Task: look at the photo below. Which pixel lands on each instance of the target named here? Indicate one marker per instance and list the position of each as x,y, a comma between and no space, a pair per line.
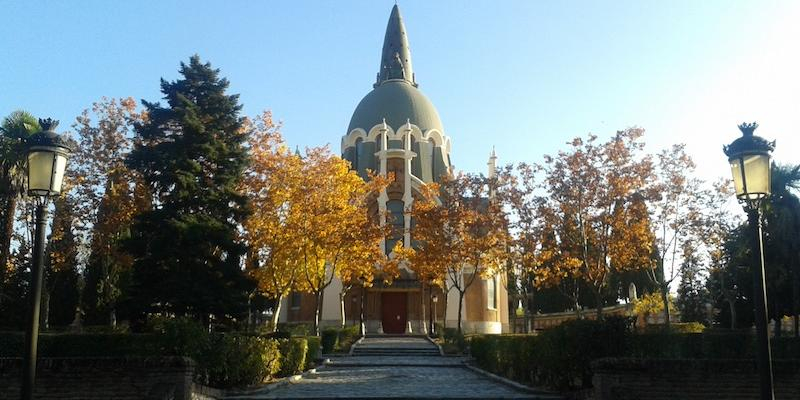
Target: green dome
397,101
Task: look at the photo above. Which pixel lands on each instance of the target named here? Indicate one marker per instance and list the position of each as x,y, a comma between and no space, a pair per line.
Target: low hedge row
339,339
560,357
222,360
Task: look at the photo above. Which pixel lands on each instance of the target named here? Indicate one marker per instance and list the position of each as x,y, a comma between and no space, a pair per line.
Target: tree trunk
342,314
796,297
317,311
423,320
6,231
599,298
460,305
45,319
732,307
276,314
665,299
361,328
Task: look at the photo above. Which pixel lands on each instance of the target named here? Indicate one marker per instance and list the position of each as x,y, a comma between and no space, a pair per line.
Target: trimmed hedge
314,346
339,339
223,360
293,355
330,338
561,357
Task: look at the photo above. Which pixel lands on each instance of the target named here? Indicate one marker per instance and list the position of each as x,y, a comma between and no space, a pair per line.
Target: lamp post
432,308
47,154
749,157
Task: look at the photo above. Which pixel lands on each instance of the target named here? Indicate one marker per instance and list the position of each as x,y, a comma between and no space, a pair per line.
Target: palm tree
784,206
14,130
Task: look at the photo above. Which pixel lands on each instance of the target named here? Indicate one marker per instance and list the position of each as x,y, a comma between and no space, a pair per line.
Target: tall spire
396,55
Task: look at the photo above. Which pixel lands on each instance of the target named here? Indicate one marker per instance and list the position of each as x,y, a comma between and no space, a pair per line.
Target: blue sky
524,76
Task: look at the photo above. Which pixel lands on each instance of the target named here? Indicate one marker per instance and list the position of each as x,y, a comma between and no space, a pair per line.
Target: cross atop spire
396,55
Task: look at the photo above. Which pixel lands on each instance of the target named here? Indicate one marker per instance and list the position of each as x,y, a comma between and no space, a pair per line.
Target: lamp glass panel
756,171
40,170
736,171
58,174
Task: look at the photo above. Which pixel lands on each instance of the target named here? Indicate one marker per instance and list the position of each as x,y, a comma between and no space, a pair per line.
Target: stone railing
654,379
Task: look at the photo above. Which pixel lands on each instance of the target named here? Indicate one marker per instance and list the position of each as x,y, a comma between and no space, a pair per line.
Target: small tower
492,164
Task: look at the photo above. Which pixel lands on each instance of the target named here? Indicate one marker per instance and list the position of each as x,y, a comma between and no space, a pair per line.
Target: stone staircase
395,346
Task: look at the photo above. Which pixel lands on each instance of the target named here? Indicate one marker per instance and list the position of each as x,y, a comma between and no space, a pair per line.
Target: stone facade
395,129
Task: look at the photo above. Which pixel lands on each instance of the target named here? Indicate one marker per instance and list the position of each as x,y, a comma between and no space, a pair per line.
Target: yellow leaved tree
273,184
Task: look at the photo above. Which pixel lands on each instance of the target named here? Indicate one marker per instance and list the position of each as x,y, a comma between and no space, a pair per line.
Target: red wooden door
393,307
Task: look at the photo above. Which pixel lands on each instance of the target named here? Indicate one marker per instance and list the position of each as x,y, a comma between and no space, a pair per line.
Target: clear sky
524,76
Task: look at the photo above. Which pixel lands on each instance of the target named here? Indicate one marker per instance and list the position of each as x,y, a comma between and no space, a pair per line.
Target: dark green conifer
191,154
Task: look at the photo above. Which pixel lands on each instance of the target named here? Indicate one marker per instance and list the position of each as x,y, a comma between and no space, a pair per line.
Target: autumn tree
330,219
272,184
597,222
186,254
61,266
461,231
526,229
677,216
107,195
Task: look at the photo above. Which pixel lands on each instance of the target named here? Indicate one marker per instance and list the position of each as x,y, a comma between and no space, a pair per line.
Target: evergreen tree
191,155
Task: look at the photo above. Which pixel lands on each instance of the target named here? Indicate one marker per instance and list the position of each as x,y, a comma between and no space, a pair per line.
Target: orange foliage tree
107,197
273,186
595,217
308,220
460,232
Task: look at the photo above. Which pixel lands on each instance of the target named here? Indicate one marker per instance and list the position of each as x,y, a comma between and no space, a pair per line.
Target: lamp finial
48,124
747,129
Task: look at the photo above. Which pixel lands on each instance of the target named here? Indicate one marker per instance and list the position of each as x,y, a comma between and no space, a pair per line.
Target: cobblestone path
393,376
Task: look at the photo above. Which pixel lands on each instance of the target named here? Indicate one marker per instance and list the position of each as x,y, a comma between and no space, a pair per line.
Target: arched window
357,153
396,209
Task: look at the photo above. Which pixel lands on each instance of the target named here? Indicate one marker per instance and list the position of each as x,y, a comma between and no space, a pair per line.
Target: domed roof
395,96
397,101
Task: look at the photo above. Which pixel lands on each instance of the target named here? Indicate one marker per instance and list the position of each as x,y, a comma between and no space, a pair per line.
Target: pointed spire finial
396,55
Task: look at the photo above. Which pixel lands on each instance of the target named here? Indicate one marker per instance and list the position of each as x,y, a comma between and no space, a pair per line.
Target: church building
396,129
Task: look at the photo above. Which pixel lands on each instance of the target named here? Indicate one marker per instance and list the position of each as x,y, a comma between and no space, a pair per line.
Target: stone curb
357,342
269,388
441,352
515,385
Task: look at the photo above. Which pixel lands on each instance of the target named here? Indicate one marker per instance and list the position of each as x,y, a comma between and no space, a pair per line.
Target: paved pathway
398,376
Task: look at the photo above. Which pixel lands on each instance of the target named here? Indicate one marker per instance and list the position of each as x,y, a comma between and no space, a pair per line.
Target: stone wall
157,378
623,379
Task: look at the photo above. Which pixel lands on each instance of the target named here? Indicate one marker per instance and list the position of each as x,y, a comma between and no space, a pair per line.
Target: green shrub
452,338
295,329
330,338
235,360
347,336
314,345
675,327
293,355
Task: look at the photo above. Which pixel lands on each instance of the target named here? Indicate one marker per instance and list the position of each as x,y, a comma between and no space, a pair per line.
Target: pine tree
191,155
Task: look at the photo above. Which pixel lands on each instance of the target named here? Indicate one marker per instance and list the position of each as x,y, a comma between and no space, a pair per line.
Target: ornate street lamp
749,157
47,154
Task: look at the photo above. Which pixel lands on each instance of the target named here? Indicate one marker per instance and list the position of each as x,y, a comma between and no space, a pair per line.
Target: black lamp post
47,154
749,157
